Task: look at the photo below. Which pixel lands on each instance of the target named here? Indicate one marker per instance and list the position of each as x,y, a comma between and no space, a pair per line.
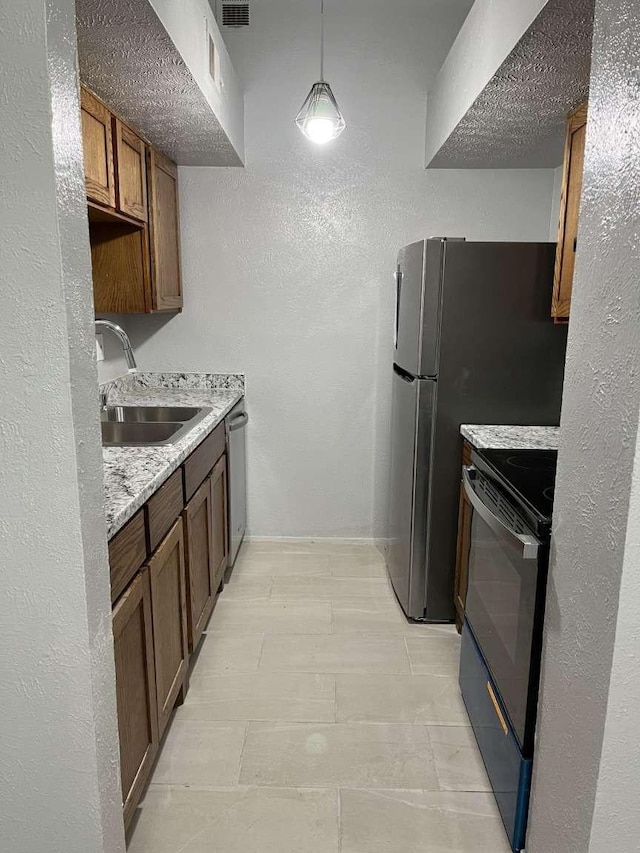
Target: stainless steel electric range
512,497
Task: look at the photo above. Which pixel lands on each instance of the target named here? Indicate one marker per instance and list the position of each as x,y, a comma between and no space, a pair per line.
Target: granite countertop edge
133,474
511,437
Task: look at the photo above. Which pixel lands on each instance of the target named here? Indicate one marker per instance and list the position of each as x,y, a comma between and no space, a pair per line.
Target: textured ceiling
518,120
128,59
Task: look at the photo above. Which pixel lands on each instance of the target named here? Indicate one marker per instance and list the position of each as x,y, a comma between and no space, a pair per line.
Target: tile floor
319,720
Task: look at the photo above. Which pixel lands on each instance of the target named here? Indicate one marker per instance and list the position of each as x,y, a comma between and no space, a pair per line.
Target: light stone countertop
486,437
133,474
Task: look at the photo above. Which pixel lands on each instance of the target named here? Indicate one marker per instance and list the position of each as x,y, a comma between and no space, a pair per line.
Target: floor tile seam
332,671
406,648
241,787
321,788
241,756
343,786
401,633
245,788
344,723
335,722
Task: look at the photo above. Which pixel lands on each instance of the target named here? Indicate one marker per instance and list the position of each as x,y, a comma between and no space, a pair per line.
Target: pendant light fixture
320,118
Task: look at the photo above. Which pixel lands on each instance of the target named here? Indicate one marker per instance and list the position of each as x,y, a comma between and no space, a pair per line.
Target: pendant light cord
322,40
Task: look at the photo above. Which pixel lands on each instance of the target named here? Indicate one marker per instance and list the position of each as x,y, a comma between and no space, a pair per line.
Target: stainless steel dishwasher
235,427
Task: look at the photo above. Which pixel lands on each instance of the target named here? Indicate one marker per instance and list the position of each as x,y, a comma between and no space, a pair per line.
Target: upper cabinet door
165,233
98,150
569,213
131,171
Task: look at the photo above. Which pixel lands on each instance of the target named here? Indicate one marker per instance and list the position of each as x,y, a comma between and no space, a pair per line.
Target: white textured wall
616,818
59,784
591,649
288,263
487,37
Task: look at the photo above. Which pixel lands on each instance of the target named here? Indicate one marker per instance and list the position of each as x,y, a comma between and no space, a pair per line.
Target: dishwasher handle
238,422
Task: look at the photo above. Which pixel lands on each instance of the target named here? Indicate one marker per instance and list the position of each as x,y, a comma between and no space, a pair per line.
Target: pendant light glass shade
320,118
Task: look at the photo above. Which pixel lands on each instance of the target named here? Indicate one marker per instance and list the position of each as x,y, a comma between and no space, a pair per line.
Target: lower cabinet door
201,589
135,689
220,527
169,613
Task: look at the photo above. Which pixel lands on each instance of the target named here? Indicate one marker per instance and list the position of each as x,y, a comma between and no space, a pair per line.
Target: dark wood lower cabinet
201,589
465,513
135,690
169,565
169,613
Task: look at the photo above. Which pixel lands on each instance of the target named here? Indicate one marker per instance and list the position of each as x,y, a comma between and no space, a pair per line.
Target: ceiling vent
233,13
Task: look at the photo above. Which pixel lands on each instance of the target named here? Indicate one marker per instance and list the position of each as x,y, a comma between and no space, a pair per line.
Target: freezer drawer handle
238,422
529,544
497,709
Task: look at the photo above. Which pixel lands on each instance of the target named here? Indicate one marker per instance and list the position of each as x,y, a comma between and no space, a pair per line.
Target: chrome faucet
122,336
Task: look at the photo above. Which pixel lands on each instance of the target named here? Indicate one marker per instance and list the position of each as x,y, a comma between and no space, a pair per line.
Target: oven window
500,609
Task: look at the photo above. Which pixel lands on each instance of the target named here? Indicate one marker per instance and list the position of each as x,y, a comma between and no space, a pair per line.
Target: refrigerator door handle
398,279
529,544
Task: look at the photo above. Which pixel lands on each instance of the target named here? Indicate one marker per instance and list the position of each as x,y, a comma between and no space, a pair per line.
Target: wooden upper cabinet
98,150
131,171
135,690
134,221
166,277
120,267
569,213
169,609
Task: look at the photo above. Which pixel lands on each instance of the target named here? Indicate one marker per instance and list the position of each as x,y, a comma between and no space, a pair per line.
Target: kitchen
287,269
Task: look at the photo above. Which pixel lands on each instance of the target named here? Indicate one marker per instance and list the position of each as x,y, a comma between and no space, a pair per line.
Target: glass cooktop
529,475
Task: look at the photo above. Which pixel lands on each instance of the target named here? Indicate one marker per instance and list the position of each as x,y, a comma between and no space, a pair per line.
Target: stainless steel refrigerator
474,343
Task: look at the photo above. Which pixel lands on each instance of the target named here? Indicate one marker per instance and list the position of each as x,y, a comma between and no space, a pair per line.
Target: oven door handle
529,544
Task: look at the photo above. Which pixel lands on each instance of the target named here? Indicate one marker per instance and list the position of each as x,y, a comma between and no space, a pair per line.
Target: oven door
501,598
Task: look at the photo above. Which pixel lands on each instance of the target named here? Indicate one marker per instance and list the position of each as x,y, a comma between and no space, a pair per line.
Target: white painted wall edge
616,812
189,25
490,32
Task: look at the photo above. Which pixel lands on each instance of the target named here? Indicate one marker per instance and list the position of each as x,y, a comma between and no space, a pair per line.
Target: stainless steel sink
124,426
151,414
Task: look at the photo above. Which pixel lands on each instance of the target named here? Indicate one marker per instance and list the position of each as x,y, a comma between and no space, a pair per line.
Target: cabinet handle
497,709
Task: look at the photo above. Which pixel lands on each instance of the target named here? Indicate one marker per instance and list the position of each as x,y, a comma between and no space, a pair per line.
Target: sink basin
141,426
151,414
123,433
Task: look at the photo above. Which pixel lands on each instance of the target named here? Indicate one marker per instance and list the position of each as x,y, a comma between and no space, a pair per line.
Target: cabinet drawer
127,552
202,460
163,508
508,771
